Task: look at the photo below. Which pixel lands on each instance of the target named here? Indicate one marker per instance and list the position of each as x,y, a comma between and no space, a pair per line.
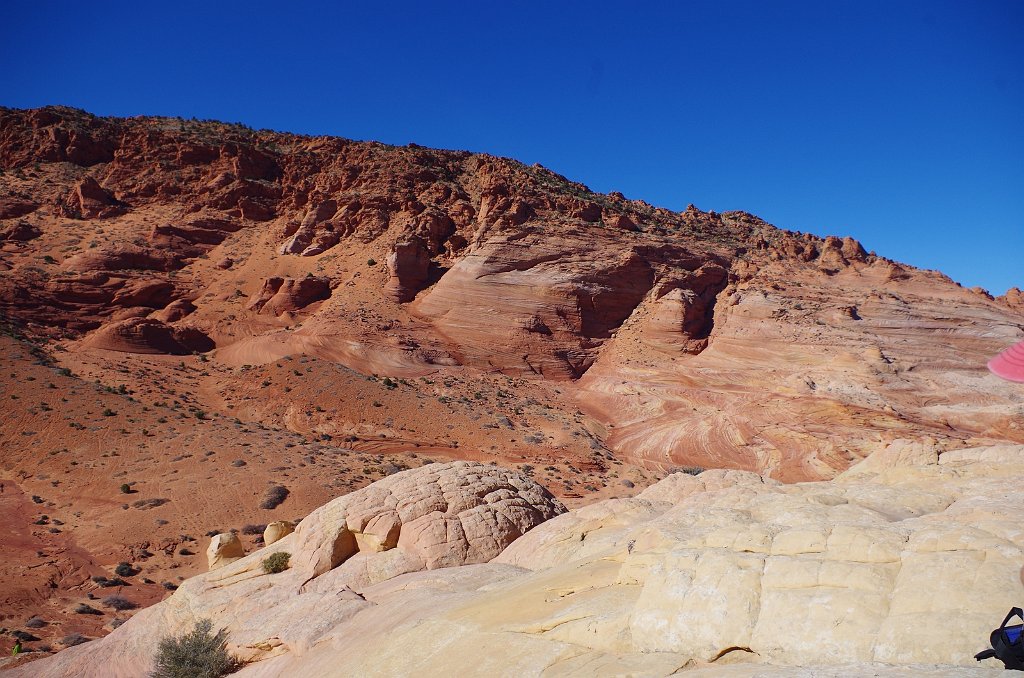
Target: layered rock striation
684,338
901,566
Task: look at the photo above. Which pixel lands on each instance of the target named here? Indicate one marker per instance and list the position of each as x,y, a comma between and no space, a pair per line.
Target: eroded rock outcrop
224,549
409,266
92,201
19,232
685,338
562,301
900,567
435,516
315,223
12,207
124,257
438,516
277,530
283,295
148,335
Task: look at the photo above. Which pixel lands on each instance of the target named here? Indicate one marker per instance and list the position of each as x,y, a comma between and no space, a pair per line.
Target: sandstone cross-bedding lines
688,338
197,314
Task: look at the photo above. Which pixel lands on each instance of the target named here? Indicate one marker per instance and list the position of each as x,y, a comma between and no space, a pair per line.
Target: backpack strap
987,654
1014,612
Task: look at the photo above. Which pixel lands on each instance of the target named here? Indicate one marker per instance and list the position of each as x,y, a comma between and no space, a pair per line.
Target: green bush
126,488
200,653
276,562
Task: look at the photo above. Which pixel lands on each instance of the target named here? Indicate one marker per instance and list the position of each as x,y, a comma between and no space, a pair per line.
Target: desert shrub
200,653
276,562
692,470
35,623
126,488
253,529
275,497
119,603
125,570
73,639
150,503
82,608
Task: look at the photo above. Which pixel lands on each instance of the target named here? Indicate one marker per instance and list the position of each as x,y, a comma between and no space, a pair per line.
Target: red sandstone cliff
684,338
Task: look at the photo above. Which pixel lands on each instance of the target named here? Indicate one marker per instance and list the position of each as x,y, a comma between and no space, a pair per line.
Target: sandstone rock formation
277,530
409,266
594,341
224,548
12,207
284,295
148,335
313,223
124,257
900,567
436,516
92,201
19,232
684,338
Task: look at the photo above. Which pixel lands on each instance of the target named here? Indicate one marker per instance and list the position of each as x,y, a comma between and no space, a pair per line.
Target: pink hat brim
1010,363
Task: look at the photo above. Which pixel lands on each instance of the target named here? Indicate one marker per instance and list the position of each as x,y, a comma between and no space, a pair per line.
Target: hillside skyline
897,126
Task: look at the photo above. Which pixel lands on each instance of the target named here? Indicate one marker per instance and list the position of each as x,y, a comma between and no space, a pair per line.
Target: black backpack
1007,644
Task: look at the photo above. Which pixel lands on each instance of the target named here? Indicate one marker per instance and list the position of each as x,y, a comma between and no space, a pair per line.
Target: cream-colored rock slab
903,571
277,530
223,549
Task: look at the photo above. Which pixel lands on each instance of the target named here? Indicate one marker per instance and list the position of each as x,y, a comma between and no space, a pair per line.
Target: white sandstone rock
223,549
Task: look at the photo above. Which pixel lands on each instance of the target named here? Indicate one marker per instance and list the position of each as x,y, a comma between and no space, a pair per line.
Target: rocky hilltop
689,338
899,567
210,328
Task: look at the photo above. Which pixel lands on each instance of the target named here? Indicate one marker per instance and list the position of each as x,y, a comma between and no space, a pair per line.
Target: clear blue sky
900,123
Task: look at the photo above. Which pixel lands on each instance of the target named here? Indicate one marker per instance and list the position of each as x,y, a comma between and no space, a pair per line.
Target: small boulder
12,207
20,232
276,531
224,548
94,201
174,311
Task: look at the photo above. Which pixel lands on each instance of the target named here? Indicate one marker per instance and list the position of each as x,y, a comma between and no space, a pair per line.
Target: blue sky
899,123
